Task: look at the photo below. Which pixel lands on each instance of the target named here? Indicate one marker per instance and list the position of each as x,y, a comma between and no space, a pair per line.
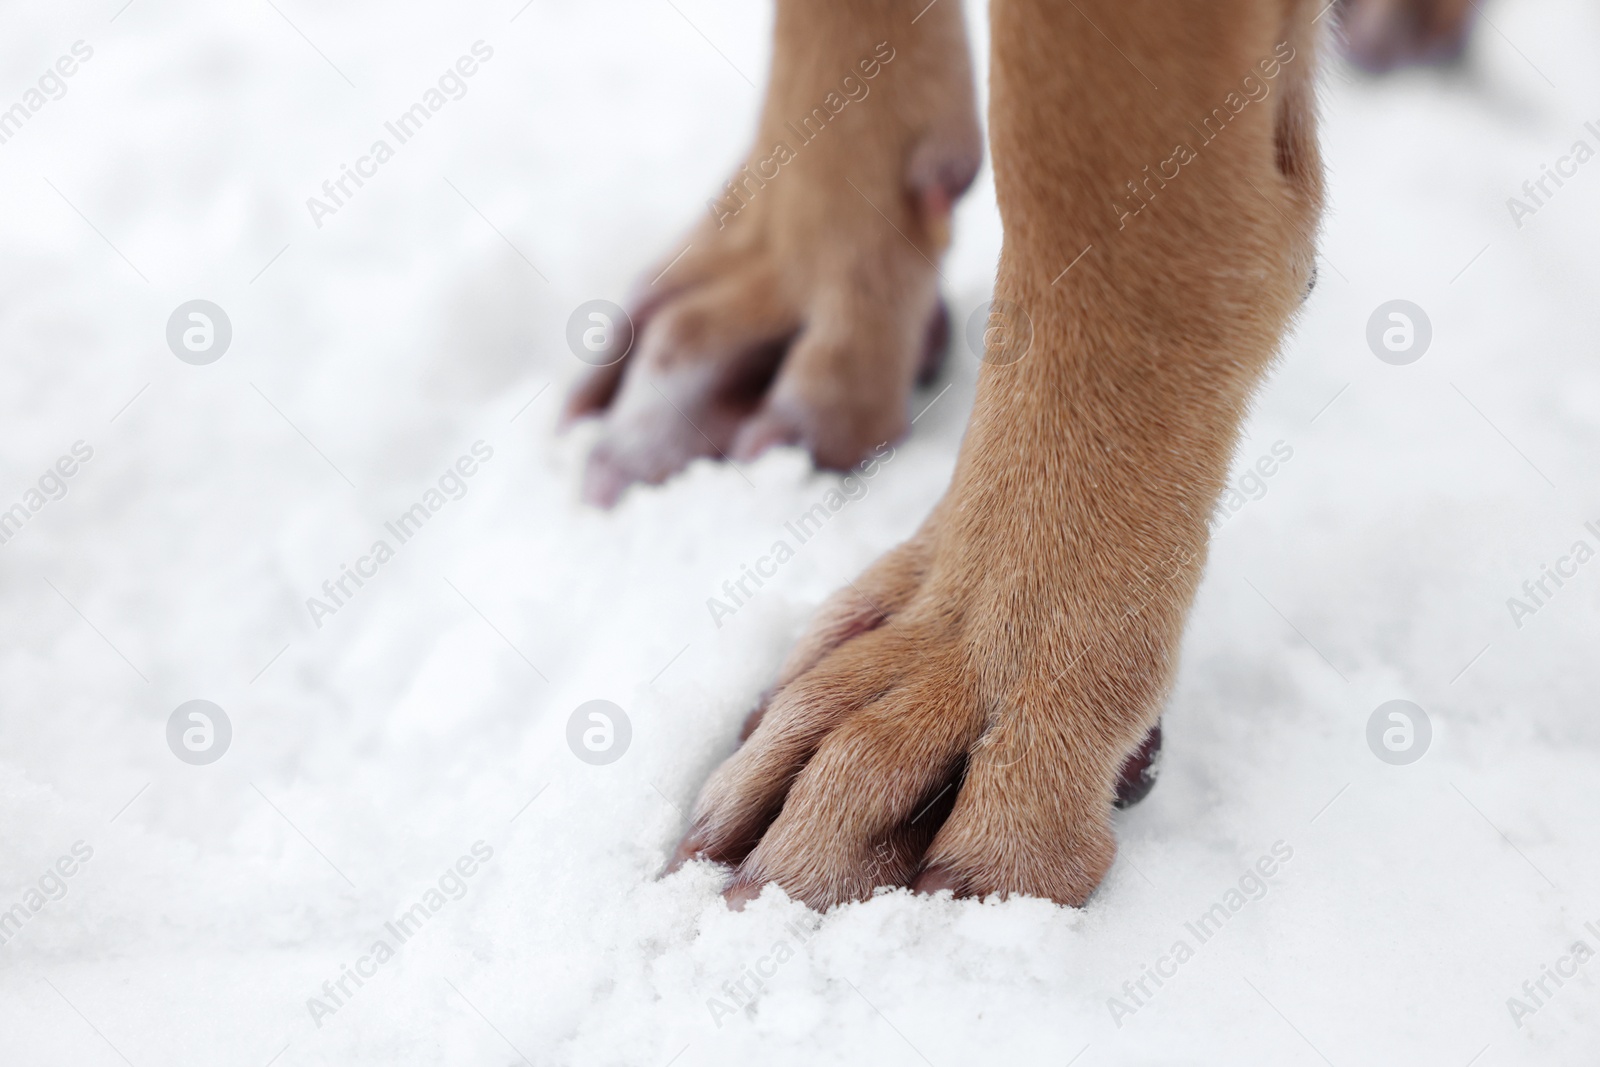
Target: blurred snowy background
412,748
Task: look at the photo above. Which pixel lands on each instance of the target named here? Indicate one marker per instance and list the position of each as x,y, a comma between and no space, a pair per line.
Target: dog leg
961,716
806,303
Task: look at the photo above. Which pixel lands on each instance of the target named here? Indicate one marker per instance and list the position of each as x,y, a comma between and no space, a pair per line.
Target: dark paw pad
1138,775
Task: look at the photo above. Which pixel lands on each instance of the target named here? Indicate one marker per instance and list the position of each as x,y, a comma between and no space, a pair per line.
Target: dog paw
804,308
921,734
755,352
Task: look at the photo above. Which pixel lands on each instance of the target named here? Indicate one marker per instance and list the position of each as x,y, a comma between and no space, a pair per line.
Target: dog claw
741,893
1139,771
935,879
937,346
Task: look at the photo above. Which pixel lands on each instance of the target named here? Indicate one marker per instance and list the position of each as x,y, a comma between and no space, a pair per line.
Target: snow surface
430,712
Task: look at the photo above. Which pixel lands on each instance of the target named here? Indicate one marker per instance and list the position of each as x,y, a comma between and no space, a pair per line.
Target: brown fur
957,717
831,257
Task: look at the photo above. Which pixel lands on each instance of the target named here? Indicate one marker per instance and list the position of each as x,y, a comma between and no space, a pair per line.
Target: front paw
804,308
901,748
754,347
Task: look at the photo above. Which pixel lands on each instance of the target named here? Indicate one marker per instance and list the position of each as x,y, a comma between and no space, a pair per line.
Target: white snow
429,713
